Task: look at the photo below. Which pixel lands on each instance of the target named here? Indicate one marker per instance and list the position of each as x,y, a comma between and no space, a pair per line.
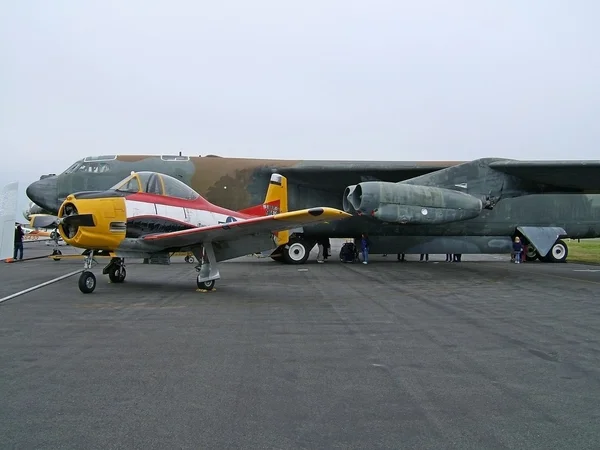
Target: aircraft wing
235,230
581,175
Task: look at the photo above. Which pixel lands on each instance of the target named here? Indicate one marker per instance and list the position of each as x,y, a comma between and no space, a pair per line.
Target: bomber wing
330,175
584,175
235,230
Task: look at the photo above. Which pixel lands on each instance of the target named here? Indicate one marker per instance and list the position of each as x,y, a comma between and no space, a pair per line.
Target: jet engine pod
411,204
347,199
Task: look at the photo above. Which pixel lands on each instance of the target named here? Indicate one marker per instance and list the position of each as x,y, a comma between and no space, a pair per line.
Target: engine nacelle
410,204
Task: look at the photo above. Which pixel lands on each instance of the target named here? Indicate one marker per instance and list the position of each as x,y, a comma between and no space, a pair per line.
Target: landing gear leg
55,236
115,270
87,280
208,271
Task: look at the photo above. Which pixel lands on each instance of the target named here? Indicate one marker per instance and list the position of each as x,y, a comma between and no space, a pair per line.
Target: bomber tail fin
8,211
276,202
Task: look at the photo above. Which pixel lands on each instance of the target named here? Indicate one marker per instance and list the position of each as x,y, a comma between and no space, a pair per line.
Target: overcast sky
317,79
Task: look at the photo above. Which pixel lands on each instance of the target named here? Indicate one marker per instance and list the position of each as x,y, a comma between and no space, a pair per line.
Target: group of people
365,245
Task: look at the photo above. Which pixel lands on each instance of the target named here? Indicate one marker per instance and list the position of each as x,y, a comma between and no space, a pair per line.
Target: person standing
518,249
19,233
365,245
320,245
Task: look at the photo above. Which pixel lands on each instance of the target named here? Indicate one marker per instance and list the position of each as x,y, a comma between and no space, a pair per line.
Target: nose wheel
87,282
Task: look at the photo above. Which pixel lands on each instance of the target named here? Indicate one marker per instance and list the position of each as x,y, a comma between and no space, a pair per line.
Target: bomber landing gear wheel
297,252
117,274
189,259
206,285
532,253
558,253
87,282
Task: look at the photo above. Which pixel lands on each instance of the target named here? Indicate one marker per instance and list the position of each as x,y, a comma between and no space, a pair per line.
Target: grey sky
387,80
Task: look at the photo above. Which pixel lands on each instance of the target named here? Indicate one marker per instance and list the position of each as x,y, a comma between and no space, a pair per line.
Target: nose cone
44,193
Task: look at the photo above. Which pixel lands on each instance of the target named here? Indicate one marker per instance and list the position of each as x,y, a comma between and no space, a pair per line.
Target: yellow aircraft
149,214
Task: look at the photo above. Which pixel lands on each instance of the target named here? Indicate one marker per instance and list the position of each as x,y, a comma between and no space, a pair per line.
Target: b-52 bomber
150,214
407,207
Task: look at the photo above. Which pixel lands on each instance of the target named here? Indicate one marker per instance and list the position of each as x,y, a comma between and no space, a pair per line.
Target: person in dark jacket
19,233
365,245
518,249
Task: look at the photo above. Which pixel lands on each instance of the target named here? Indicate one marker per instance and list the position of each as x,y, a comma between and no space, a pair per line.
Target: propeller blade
79,220
43,221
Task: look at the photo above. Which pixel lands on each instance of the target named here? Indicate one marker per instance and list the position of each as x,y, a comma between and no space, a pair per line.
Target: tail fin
8,210
276,202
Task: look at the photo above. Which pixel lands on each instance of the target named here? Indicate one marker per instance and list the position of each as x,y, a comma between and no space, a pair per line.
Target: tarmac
481,354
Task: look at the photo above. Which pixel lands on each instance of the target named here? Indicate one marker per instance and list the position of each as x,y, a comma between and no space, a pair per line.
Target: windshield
156,183
129,184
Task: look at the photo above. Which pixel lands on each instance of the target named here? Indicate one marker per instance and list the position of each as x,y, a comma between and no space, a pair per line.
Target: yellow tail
276,202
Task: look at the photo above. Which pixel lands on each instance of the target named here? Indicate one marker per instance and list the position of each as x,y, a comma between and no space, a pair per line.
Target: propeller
43,221
78,220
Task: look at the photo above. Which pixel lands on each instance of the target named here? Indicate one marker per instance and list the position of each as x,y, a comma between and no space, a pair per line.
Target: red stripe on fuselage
200,204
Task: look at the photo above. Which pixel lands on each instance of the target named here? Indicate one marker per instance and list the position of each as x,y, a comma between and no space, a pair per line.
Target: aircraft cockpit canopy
156,183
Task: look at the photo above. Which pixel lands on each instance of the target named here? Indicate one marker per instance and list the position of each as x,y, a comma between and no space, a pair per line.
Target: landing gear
532,253
189,259
558,252
87,280
208,271
297,251
55,236
115,270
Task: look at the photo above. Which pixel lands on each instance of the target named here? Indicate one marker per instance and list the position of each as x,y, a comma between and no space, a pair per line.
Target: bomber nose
44,193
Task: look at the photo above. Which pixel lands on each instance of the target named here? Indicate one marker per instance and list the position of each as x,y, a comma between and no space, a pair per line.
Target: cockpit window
88,167
158,184
129,184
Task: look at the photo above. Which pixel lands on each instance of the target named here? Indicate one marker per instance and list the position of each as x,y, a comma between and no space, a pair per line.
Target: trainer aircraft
466,207
149,214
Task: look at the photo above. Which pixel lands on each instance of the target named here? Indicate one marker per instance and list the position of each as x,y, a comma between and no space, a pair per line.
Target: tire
297,252
558,253
206,285
87,282
117,274
532,253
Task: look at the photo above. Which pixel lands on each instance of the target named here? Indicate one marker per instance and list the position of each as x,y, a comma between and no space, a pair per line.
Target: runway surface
481,354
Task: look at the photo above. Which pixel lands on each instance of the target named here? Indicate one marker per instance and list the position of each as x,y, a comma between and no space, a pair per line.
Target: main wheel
207,285
117,274
297,251
558,253
532,253
87,282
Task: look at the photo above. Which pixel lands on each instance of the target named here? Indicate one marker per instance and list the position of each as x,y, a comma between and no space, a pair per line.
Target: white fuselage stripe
195,217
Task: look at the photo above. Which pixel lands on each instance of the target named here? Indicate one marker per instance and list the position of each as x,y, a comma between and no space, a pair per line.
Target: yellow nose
93,223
